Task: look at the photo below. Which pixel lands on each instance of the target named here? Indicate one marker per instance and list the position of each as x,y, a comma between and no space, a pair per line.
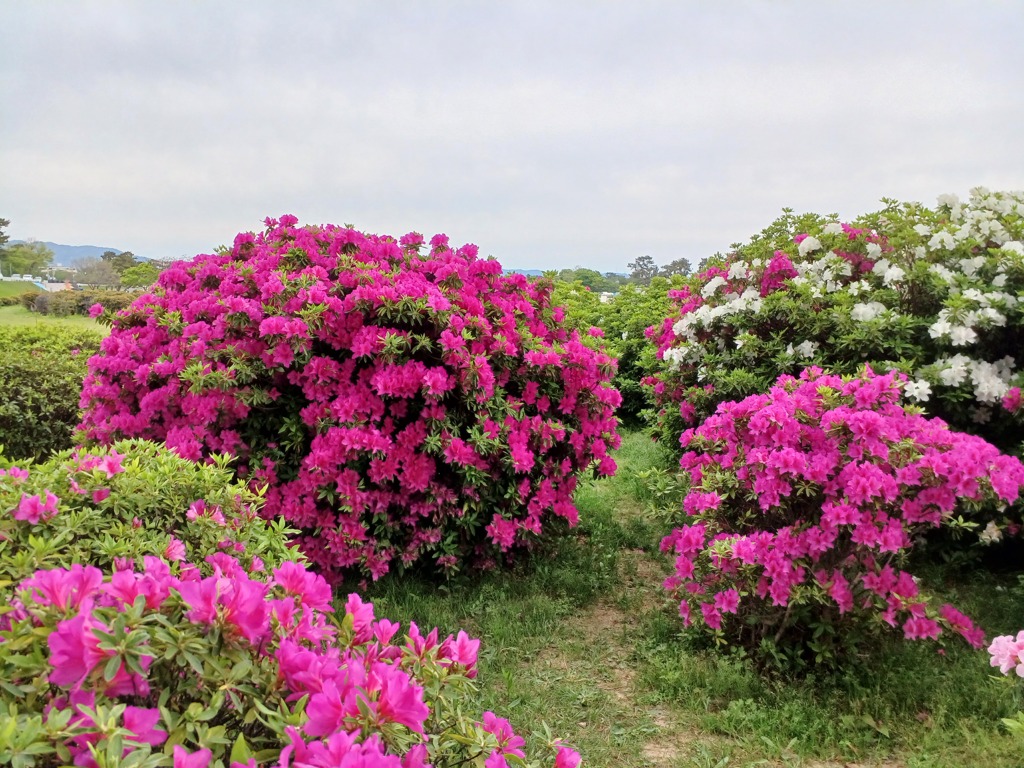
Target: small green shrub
65,303
115,506
26,299
41,373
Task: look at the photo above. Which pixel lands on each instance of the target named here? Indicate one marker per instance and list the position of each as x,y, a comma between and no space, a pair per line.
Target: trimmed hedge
41,373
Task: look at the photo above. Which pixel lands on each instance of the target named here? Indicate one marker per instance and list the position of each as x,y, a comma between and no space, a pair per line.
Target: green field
16,289
19,316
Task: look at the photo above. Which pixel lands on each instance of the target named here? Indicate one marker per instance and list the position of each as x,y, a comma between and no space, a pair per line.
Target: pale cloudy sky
551,134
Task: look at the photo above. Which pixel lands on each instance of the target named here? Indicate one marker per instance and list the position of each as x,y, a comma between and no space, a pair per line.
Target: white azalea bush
935,293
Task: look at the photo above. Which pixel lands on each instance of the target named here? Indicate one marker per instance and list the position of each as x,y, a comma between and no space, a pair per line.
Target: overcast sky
551,134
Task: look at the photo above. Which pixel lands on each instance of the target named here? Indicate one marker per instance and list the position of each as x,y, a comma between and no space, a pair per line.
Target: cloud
550,134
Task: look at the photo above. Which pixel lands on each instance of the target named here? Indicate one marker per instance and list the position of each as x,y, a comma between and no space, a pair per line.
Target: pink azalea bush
402,402
803,504
156,665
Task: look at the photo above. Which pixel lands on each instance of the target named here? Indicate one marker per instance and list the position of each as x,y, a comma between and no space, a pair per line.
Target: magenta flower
185,759
95,310
74,649
567,758
400,700
142,723
34,509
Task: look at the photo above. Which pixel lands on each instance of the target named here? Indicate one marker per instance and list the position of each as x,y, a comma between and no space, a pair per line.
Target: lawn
18,316
16,289
585,642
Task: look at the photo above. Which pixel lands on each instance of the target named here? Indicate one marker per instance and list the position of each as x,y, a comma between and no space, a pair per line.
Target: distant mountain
527,272
66,255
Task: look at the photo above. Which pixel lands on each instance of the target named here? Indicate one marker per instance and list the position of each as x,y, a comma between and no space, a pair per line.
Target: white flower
991,534
865,312
807,348
942,240
808,245
625,335
737,270
893,275
950,201
832,228
970,267
939,329
962,335
880,266
922,229
874,250
920,390
1013,246
942,272
955,370
999,281
713,285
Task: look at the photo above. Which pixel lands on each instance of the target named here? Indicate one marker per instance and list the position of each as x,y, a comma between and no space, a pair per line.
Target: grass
18,316
586,643
16,289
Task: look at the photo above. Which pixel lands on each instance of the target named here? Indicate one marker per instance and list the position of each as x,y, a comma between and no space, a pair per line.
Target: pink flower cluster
400,405
1007,652
348,684
817,488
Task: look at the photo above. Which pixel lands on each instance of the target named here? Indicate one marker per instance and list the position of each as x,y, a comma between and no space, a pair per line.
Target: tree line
111,269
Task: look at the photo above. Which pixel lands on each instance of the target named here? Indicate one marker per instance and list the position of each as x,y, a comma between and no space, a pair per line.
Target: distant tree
4,224
642,270
140,276
119,262
678,267
95,272
28,258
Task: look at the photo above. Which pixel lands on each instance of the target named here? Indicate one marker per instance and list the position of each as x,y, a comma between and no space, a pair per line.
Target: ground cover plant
932,292
404,402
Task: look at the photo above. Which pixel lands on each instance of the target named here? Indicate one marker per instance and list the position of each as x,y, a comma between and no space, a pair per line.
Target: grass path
586,643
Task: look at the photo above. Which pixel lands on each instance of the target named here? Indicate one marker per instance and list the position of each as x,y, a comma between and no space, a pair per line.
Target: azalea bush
402,402
618,323
803,505
934,293
41,373
155,665
118,505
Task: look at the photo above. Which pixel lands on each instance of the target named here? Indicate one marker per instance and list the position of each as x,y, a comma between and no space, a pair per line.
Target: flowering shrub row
41,372
200,640
803,503
934,293
402,406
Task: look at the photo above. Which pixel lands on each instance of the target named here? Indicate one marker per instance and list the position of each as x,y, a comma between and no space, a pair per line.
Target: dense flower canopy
402,402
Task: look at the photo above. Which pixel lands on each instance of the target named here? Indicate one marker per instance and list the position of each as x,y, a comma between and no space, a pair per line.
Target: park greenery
215,495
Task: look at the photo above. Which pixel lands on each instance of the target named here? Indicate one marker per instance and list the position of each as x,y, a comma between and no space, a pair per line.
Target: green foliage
26,259
41,374
623,320
67,303
127,502
140,275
